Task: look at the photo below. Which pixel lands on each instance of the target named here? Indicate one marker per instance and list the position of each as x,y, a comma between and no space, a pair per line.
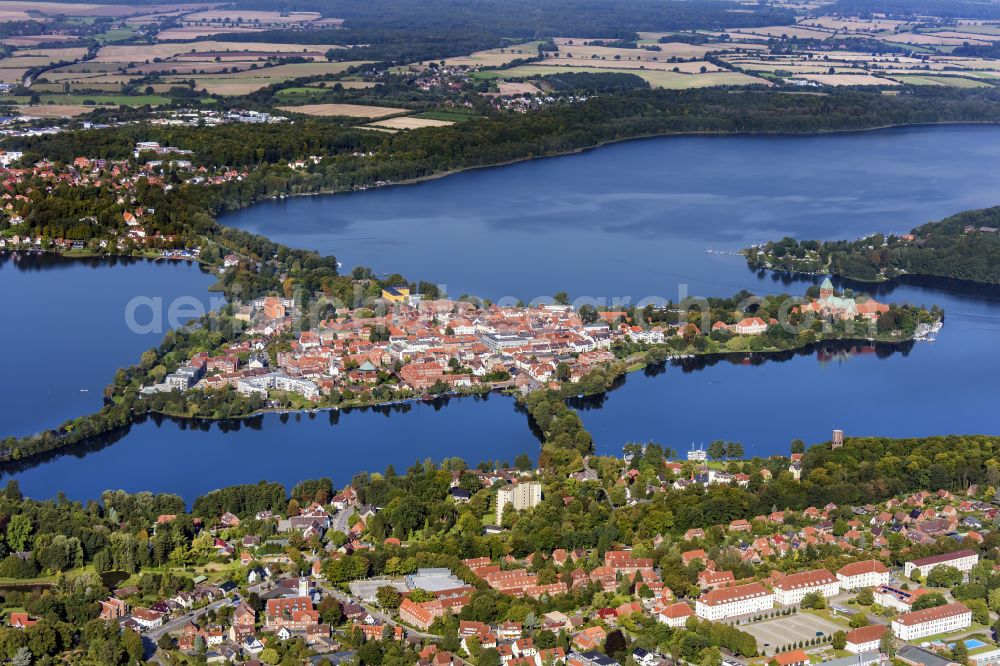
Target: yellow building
396,294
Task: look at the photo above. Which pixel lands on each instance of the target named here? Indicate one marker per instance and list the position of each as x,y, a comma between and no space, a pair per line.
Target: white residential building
675,615
896,599
963,560
728,602
870,573
938,620
865,639
792,588
522,496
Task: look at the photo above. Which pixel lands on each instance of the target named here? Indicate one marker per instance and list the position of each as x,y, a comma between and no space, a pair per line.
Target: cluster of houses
291,602
418,345
19,184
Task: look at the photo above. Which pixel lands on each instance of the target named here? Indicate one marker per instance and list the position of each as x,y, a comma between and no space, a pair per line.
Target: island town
403,345
333,576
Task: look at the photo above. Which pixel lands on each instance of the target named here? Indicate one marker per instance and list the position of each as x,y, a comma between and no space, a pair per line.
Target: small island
962,247
308,350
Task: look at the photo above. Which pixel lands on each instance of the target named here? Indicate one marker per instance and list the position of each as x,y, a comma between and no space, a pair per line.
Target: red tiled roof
866,634
806,579
858,568
946,557
727,595
929,614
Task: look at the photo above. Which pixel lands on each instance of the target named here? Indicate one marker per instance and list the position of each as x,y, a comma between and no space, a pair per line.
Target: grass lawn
117,34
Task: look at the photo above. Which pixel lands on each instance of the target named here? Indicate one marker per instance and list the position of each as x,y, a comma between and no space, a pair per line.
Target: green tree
839,641
887,645
944,576
388,597
19,532
858,620
930,600
814,601
717,450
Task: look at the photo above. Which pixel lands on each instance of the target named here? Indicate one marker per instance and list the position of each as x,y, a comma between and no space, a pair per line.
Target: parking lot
773,634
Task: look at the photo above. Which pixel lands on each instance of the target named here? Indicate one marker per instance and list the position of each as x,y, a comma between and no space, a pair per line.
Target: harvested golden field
34,40
923,39
12,74
853,25
185,67
656,78
409,122
55,110
189,32
95,9
36,58
967,36
667,51
690,67
783,30
848,80
142,53
348,110
950,81
490,57
513,88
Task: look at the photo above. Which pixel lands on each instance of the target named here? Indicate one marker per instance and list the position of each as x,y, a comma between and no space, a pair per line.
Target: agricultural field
513,88
489,58
55,110
859,79
409,122
953,81
11,9
346,110
248,81
656,78
689,67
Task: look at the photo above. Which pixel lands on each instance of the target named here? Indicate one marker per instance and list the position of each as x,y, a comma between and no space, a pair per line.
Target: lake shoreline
612,142
566,390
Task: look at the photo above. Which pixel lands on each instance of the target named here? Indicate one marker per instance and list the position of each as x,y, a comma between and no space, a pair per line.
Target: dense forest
965,246
609,19
905,9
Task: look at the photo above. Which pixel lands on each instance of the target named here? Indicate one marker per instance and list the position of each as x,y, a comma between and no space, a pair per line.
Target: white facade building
727,602
521,495
963,560
870,573
792,588
937,620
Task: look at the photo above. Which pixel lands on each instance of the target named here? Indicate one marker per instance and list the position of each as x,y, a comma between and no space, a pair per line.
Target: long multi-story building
870,573
727,602
929,621
792,588
525,495
963,560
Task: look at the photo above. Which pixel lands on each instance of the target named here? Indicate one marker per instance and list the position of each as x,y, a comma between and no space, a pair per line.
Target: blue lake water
163,455
631,220
634,219
66,330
